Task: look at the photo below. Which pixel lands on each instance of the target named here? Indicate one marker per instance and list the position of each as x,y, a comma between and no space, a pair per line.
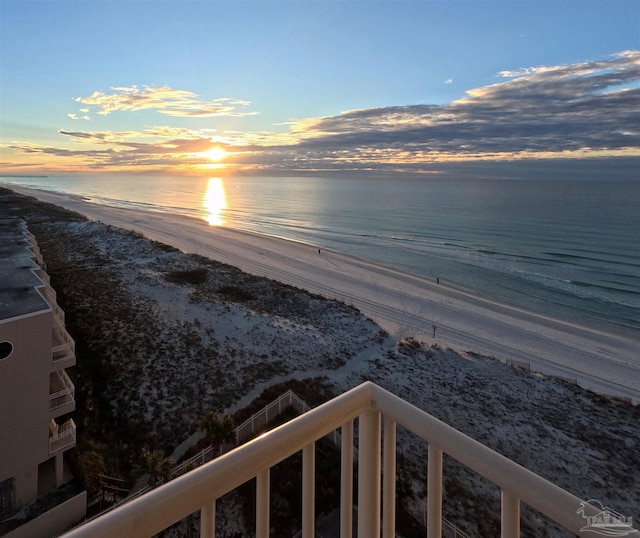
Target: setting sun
216,154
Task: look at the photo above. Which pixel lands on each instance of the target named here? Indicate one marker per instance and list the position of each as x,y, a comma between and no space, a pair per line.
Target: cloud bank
584,108
588,109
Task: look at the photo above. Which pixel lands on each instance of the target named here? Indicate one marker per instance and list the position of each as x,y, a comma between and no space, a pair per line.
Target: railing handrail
69,387
200,457
289,395
186,494
57,440
161,507
68,425
185,464
63,351
61,393
62,347
61,331
537,492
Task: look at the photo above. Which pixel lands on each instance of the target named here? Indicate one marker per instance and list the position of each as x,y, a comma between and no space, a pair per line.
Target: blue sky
313,85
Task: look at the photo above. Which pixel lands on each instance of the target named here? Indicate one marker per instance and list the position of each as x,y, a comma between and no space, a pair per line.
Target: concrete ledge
53,521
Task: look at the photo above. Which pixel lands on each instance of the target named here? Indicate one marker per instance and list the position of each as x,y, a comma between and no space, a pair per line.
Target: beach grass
155,353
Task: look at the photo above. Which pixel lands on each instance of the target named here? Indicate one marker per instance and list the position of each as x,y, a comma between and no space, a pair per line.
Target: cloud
172,154
449,81
121,137
587,109
27,148
165,100
581,108
87,135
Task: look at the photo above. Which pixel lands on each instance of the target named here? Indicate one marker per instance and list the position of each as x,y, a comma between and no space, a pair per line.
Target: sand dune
403,304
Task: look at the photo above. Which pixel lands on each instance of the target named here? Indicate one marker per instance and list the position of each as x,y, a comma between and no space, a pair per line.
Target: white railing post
262,504
208,520
346,481
434,493
510,515
309,491
369,475
149,514
389,480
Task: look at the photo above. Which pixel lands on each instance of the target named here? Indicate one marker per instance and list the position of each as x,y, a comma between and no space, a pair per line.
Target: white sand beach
402,304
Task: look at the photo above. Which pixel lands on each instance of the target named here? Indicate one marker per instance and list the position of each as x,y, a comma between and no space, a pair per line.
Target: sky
314,86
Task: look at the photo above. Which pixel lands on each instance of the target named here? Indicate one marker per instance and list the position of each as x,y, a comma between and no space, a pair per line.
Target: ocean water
567,248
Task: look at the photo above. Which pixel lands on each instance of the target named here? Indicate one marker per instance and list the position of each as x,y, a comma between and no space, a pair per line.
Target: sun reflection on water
215,202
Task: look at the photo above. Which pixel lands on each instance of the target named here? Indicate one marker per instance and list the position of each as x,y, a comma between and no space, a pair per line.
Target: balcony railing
61,436
63,346
50,295
58,313
37,253
44,276
61,389
374,407
260,419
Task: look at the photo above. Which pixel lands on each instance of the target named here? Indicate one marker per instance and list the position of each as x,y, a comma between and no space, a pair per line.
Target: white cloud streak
165,100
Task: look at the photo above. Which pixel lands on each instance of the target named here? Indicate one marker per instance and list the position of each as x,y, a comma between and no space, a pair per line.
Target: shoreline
403,304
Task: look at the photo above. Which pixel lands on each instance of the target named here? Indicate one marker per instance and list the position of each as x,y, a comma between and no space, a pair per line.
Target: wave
548,263
605,257
585,290
600,286
145,206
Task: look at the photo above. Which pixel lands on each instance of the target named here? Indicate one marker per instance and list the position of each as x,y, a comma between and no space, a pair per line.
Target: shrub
193,276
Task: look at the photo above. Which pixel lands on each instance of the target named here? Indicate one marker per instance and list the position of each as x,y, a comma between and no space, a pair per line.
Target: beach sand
155,349
402,304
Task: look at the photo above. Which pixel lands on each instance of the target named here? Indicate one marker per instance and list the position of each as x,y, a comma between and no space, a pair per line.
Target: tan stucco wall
24,401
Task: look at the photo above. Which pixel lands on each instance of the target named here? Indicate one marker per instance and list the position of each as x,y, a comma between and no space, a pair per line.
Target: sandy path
401,303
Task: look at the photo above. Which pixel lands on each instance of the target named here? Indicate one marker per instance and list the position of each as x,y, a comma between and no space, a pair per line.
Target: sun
216,154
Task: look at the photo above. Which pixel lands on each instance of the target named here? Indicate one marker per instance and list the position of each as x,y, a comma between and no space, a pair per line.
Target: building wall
29,316
24,401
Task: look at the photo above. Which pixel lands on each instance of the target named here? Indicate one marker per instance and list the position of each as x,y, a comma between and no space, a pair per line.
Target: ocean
566,248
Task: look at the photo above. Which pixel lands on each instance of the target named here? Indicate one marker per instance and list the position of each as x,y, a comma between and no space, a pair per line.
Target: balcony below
51,297
62,391
61,436
63,348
